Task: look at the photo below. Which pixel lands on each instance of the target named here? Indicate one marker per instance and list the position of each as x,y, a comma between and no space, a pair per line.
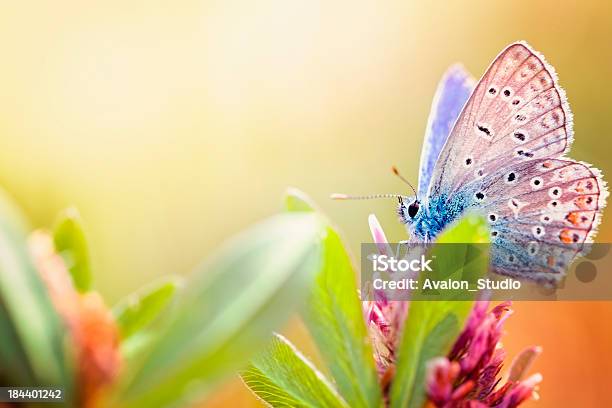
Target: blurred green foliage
32,338
227,310
179,340
70,243
141,308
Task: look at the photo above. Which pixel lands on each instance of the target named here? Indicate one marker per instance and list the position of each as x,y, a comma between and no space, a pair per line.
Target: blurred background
173,125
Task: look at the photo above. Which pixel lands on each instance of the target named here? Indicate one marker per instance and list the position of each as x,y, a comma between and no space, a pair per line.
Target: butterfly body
432,219
498,148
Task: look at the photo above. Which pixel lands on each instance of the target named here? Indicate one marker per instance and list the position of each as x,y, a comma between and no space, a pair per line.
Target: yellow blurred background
173,125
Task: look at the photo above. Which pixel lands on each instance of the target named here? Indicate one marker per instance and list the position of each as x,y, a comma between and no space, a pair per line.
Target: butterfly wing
517,112
543,216
504,158
452,93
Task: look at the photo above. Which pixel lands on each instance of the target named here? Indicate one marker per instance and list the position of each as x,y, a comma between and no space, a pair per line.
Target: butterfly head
408,210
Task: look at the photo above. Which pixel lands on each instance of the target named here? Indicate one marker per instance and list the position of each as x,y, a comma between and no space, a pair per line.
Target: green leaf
282,377
138,310
432,326
335,318
70,242
471,229
31,332
228,309
14,365
298,201
134,348
429,332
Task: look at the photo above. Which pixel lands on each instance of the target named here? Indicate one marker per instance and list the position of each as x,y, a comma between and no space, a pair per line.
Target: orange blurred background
172,126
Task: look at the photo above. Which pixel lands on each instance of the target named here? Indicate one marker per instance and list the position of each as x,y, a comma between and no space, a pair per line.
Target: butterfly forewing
452,93
516,113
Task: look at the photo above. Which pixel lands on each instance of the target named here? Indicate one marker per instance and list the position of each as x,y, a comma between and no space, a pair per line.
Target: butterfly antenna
337,196
397,173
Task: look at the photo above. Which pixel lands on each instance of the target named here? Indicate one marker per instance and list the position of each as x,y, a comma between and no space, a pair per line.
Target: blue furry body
437,215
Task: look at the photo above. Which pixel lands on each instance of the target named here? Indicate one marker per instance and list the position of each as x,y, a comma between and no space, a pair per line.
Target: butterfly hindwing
542,213
452,93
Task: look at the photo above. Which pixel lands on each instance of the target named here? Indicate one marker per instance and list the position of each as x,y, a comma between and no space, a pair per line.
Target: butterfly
498,147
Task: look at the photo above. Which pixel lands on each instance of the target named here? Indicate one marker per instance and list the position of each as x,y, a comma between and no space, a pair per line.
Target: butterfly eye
413,209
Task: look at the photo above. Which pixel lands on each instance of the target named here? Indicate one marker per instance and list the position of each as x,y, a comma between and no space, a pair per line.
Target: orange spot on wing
573,217
585,186
565,236
584,202
579,219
